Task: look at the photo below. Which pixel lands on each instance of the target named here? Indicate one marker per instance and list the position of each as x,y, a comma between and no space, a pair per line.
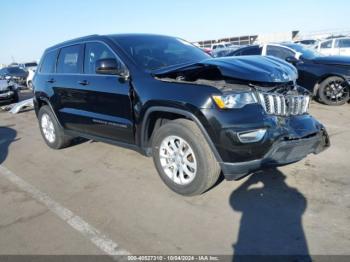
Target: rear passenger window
48,64
69,60
94,52
344,43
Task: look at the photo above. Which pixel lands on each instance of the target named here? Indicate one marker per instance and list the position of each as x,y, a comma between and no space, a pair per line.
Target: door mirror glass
110,66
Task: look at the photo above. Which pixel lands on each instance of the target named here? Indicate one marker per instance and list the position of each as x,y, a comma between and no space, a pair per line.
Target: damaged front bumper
7,95
281,153
268,141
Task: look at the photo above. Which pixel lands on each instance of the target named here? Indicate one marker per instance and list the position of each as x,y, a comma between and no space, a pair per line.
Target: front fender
194,115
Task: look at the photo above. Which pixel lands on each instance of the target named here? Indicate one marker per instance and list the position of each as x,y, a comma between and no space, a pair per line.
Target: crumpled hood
249,68
332,60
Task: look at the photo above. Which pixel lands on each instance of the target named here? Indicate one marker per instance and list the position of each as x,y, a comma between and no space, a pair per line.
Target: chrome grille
277,104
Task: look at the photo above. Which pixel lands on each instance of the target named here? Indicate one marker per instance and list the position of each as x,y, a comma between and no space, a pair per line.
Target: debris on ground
18,107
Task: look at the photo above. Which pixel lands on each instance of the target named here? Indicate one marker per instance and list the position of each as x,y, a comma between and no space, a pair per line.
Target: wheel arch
41,100
154,112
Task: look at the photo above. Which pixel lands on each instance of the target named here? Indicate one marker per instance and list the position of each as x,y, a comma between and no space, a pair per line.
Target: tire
328,92
60,140
30,85
207,169
15,98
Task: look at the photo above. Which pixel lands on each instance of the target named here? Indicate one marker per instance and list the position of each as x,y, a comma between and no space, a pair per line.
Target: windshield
14,70
306,52
155,52
30,64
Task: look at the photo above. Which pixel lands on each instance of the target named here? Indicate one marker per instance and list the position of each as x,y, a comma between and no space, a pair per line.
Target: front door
101,102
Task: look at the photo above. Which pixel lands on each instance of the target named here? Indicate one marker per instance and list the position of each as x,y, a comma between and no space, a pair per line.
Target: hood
265,69
332,60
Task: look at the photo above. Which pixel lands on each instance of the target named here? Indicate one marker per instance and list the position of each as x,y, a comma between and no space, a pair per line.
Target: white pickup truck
336,46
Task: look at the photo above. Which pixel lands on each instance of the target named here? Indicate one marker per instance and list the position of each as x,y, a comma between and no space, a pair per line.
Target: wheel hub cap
178,160
48,128
335,91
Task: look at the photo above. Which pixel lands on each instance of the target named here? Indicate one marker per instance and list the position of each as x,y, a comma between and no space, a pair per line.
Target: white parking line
96,237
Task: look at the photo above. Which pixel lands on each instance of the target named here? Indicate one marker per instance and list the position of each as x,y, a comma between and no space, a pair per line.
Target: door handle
83,83
51,81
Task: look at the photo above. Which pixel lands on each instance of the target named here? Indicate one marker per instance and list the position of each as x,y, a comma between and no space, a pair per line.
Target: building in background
274,37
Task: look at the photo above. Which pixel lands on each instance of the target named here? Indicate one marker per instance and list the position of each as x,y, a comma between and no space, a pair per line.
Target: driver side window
279,52
95,51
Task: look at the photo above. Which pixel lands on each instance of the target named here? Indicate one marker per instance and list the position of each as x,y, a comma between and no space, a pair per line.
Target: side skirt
108,141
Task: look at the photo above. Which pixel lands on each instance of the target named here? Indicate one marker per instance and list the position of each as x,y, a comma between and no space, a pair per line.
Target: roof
96,37
72,41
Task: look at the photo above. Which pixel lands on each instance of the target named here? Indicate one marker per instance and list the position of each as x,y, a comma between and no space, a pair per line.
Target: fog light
251,136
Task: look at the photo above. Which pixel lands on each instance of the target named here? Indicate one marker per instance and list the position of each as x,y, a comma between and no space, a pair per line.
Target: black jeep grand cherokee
162,96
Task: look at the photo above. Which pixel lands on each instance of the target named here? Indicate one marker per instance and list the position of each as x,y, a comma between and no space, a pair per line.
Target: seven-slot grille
277,104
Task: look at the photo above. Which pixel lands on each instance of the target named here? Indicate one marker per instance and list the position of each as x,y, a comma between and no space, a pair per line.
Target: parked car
196,115
207,50
28,65
17,74
220,45
336,46
223,51
8,91
29,80
328,78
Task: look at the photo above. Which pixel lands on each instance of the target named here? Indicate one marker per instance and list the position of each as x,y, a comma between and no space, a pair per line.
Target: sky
28,27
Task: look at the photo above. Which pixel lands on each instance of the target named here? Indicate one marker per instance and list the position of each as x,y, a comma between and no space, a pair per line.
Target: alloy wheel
178,160
48,128
336,91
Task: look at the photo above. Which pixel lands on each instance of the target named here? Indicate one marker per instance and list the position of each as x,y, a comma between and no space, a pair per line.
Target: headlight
235,100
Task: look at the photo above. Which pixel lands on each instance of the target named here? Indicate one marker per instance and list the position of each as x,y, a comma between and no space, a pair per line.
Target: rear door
343,46
100,103
68,96
44,78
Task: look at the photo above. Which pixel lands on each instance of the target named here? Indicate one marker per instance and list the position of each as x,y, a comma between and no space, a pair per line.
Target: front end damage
258,117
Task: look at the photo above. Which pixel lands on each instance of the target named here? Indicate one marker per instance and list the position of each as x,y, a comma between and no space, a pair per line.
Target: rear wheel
183,158
51,131
333,91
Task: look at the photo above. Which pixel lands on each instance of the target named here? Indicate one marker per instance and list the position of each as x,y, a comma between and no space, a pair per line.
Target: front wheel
333,91
183,158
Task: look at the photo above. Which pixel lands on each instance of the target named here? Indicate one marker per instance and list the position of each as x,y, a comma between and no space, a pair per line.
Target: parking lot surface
303,208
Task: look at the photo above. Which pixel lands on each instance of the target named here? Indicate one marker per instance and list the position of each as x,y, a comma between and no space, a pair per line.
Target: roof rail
72,40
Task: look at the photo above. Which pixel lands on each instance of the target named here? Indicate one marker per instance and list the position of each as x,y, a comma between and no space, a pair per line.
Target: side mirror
292,60
110,66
